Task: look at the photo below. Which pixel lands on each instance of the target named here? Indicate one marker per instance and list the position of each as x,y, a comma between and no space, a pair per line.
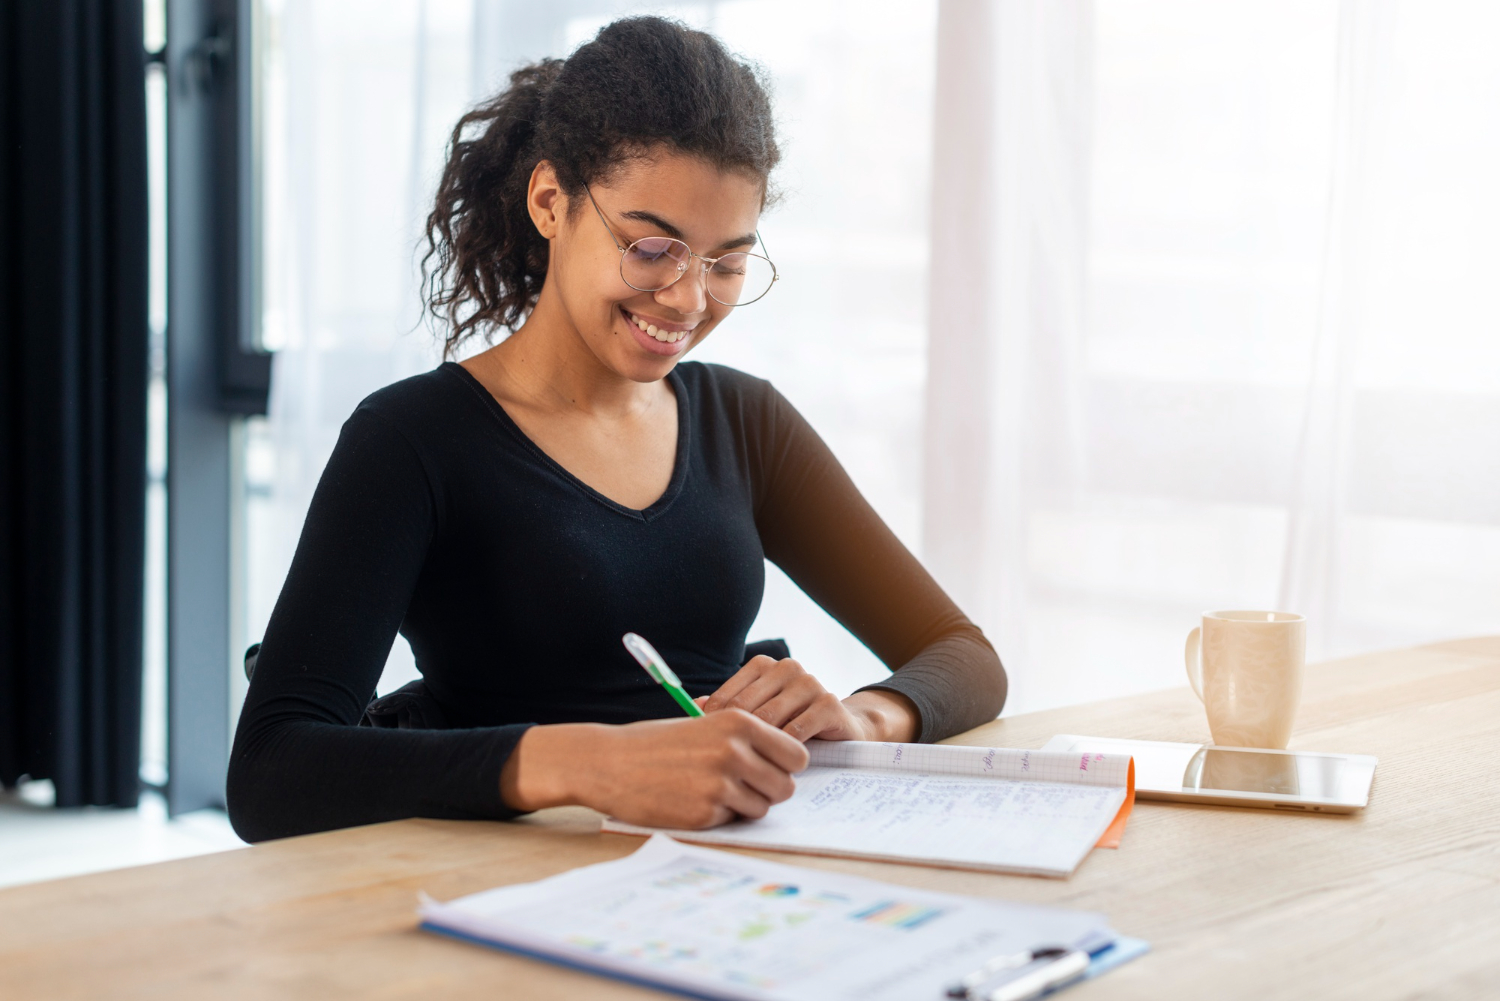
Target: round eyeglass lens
736,279
652,264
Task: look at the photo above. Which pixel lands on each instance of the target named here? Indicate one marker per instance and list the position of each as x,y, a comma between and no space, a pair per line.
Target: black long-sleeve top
514,581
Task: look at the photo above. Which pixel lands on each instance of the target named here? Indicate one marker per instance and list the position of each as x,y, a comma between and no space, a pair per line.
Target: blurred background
1117,311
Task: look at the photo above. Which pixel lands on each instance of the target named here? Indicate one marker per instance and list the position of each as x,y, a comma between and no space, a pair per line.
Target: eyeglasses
657,262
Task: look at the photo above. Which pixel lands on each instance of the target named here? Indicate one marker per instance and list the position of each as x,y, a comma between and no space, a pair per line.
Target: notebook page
726,926
1002,825
988,762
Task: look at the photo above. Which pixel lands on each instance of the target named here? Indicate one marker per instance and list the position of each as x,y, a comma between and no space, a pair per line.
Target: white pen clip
645,654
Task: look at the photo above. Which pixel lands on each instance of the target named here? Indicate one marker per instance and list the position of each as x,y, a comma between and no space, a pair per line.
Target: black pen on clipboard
1066,966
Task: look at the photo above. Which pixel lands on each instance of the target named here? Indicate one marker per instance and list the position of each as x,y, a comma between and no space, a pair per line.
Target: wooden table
1400,901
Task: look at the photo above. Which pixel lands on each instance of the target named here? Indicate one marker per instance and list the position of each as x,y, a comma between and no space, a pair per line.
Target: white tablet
1238,776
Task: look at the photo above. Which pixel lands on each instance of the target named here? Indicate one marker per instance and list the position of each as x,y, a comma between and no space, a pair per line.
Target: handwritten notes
984,808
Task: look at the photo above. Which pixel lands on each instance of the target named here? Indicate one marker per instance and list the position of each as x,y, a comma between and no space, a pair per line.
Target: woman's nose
689,294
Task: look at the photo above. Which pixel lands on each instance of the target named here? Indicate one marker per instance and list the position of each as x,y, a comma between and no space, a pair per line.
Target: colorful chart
777,890
895,914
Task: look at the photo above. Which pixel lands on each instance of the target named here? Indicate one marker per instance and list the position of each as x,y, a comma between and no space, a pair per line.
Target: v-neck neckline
679,461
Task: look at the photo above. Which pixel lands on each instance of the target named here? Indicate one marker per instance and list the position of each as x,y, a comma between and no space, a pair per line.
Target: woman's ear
545,199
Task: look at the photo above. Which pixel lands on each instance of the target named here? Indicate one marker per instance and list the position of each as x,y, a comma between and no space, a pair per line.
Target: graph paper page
985,762
718,925
903,802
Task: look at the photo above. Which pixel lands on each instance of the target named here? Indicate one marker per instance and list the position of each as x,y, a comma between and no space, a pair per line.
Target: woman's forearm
542,771
291,776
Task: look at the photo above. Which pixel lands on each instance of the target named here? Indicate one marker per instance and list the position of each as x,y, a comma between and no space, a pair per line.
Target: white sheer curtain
1209,319
357,100
1226,334
1004,429
1397,514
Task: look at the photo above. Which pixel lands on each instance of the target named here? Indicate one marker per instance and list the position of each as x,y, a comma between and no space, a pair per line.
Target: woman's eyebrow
748,240
652,219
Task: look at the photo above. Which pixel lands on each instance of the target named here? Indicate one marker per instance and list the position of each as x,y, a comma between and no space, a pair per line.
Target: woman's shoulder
428,400
711,385
438,387
433,415
742,411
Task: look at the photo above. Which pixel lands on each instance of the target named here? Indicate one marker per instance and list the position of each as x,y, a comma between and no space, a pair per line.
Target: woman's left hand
783,694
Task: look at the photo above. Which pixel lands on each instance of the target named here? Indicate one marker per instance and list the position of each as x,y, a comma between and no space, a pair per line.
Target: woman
515,515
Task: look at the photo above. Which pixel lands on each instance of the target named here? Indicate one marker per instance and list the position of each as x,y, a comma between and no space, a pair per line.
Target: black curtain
73,369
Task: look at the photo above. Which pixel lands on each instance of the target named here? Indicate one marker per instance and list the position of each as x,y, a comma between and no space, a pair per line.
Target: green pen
646,655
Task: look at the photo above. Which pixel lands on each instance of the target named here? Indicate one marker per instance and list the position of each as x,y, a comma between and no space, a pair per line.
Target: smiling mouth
654,332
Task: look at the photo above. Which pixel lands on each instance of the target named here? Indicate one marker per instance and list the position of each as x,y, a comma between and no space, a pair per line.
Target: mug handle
1194,657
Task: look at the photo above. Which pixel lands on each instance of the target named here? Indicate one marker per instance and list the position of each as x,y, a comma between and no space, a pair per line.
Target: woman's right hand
683,773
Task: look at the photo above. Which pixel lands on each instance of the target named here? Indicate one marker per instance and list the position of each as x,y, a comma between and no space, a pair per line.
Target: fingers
694,773
738,682
766,779
786,696
760,691
744,782
827,716
744,800
784,707
776,690
779,748
712,813
806,695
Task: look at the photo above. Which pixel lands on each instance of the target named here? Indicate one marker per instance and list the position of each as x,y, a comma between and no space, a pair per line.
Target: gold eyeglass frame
682,269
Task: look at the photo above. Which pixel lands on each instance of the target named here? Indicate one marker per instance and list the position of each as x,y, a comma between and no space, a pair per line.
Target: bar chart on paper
718,925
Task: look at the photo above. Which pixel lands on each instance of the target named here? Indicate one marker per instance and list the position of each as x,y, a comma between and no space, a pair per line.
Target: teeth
652,331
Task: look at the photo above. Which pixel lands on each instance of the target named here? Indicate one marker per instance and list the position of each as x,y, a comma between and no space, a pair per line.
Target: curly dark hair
643,84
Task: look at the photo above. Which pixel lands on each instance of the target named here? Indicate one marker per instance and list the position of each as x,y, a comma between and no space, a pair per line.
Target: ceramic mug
1247,669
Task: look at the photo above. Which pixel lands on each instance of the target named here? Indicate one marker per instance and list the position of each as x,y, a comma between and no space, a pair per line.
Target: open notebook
988,808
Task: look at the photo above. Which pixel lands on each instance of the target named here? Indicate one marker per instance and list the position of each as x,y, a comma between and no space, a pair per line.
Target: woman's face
714,212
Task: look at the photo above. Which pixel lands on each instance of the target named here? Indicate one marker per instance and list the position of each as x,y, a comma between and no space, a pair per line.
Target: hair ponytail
492,257
642,83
